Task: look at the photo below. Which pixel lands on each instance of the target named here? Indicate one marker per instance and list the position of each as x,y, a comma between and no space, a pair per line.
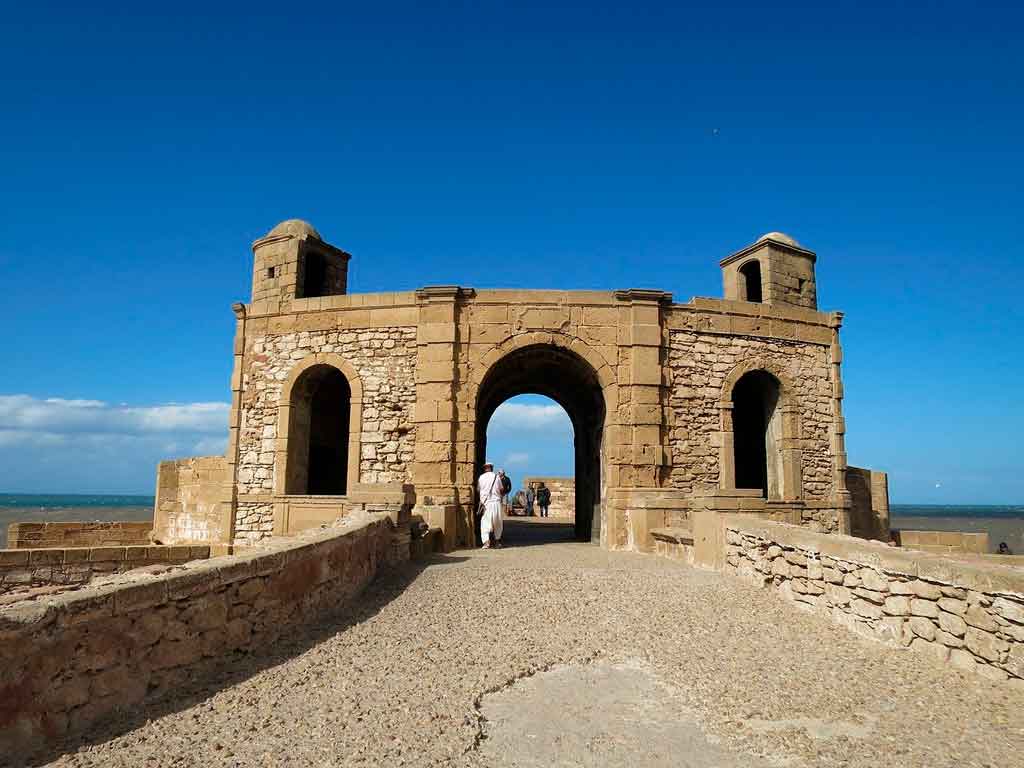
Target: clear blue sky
491,145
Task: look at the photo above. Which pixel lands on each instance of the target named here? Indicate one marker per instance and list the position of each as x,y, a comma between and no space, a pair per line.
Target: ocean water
67,508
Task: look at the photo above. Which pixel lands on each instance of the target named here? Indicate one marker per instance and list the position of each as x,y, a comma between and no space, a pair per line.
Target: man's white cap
489,464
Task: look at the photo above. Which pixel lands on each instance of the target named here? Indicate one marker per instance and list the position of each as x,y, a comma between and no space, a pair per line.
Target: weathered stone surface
978,617
952,624
985,644
897,605
922,627
927,608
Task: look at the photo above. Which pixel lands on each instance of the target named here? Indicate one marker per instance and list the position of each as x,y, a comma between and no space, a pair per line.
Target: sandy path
402,681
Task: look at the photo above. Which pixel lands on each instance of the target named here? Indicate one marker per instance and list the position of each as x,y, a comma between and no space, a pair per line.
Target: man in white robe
488,487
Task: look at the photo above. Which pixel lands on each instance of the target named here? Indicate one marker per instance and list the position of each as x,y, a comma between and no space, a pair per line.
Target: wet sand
10,515
1008,529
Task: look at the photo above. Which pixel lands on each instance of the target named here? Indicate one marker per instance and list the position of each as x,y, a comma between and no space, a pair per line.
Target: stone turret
292,261
775,269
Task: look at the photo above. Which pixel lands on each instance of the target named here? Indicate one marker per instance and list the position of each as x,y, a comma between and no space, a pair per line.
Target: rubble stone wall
699,364
27,568
384,358
966,613
75,659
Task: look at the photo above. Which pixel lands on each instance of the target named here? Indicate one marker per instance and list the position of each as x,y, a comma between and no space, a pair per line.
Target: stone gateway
344,403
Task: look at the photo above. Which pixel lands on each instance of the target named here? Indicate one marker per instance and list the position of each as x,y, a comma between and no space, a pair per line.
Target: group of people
493,489
535,493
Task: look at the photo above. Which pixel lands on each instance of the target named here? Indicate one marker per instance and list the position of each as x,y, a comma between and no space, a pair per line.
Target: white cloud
30,417
531,417
210,446
517,459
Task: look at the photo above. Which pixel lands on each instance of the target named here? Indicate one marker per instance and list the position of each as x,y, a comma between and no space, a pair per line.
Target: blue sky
587,146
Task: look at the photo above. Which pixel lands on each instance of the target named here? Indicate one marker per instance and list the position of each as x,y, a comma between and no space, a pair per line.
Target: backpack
544,497
506,484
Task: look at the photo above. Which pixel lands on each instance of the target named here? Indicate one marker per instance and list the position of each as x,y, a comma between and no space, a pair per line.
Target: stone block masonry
968,614
193,500
70,661
22,569
563,495
77,534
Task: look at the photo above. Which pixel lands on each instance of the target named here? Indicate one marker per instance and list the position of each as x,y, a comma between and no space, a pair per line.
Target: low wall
943,542
968,613
563,495
70,661
27,568
81,534
193,501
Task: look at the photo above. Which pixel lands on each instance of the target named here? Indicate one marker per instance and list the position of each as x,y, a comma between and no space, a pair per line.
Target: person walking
543,499
489,488
506,489
528,498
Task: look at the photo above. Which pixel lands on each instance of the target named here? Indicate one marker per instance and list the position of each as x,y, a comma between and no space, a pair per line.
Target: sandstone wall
563,495
944,542
869,491
698,365
66,566
967,613
193,500
72,660
77,534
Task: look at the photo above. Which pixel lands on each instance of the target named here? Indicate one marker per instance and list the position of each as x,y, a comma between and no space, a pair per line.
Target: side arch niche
319,428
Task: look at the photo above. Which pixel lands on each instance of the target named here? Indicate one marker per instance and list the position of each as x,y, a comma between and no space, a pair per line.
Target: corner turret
293,262
775,269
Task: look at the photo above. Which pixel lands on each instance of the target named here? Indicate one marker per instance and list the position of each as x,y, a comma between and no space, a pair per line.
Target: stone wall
66,566
193,501
699,364
869,492
77,534
384,358
970,614
944,542
563,495
72,660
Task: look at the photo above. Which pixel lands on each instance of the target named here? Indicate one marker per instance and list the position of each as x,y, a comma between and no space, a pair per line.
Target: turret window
750,274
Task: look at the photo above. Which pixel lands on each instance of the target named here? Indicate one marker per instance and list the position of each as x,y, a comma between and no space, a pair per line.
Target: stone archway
572,382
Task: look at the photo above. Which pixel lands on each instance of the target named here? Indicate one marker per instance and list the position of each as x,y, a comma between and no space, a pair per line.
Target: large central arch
569,380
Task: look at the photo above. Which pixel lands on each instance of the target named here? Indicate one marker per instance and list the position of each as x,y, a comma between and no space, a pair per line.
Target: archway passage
570,381
757,438
318,433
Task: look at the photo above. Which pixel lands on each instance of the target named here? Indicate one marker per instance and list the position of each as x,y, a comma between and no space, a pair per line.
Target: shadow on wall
236,667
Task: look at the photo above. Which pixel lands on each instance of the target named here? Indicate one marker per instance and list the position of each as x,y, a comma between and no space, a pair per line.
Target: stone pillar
840,494
229,502
641,397
433,469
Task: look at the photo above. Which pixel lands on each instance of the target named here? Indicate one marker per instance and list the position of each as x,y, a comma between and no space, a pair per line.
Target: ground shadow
536,531
235,668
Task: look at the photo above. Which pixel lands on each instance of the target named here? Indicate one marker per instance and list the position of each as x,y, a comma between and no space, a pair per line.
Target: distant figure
1003,549
528,497
488,487
543,499
506,489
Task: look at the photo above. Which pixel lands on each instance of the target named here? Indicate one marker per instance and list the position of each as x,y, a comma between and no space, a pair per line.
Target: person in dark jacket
543,499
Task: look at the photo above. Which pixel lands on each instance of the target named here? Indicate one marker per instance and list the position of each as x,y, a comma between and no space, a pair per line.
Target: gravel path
401,681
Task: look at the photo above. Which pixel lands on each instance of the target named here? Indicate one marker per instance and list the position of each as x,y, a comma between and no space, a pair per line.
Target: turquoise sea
1002,522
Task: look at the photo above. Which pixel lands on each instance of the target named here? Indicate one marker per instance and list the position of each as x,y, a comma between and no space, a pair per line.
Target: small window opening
801,284
271,271
751,272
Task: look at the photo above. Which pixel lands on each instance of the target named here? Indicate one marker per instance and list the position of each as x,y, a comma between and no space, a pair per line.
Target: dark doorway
751,273
318,433
756,441
570,381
